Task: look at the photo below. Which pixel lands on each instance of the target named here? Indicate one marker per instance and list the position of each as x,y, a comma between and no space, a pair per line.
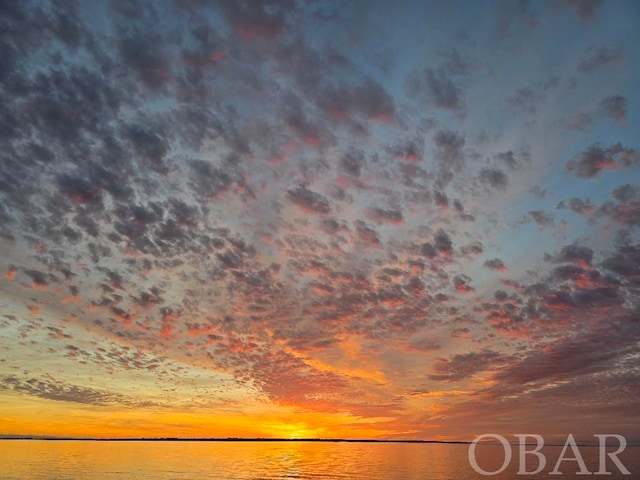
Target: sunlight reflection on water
61,460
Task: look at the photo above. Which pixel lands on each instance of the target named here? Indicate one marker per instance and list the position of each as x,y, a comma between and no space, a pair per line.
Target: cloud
440,199
615,106
443,243
598,56
596,158
513,19
380,216
39,279
461,284
209,181
493,178
266,20
508,158
11,272
628,157
367,99
623,209
141,53
543,219
624,263
309,201
367,234
60,391
449,152
449,144
454,63
353,162
578,205
576,254
410,150
428,250
626,193
436,87
150,146
463,366
496,265
79,190
425,344
472,249
578,122
526,100
577,294
591,161
586,10
582,354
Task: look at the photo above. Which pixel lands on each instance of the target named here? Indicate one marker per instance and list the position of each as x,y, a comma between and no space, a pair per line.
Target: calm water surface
59,460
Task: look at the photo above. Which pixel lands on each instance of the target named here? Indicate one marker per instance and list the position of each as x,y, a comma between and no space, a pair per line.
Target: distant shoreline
272,440
230,439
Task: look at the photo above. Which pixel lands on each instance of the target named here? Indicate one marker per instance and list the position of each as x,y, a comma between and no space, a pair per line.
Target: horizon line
271,439
224,439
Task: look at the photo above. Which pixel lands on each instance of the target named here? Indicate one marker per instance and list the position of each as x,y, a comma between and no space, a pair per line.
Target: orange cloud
11,273
167,327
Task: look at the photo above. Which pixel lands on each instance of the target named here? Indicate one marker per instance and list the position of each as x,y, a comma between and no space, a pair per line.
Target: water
62,460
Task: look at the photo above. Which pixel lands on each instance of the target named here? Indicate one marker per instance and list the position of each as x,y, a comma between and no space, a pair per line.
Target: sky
362,219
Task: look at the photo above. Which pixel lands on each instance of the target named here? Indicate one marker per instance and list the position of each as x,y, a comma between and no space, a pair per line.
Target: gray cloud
381,216
543,219
443,242
50,389
615,106
436,87
495,264
449,152
309,201
577,254
493,178
463,366
592,161
585,9
583,354
598,56
526,100
353,162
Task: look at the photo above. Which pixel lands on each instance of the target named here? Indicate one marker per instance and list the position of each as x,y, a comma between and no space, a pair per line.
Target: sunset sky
359,219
